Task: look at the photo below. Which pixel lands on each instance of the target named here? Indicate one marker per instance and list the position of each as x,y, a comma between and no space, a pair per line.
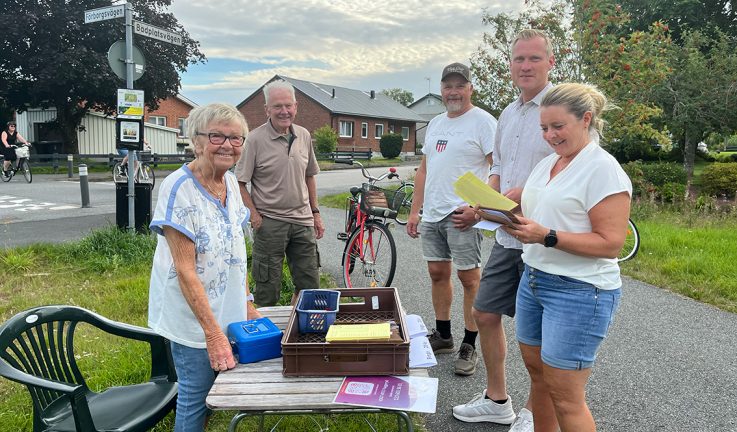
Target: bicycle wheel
403,212
146,175
631,243
376,267
120,174
25,167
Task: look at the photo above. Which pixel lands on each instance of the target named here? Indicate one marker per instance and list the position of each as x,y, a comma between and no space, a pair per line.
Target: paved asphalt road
669,364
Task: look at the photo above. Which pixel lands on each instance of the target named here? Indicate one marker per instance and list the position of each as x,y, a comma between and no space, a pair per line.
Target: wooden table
260,389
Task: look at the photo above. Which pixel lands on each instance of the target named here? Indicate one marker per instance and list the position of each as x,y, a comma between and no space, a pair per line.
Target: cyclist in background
124,152
9,137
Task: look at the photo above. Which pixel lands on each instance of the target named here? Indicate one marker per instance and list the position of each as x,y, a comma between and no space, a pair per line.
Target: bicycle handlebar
392,173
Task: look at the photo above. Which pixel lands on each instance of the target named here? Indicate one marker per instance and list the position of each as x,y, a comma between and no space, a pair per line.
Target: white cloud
353,43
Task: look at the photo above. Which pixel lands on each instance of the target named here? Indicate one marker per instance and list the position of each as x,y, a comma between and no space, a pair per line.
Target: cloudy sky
361,44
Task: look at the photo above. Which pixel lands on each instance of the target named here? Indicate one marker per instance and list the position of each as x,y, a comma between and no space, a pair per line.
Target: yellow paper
354,332
475,192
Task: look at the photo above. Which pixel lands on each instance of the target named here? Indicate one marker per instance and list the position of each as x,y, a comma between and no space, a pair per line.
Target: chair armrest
18,376
162,365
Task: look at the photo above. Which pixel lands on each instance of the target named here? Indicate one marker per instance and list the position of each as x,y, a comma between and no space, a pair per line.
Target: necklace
219,194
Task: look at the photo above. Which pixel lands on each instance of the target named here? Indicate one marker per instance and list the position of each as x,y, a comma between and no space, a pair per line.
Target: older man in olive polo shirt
280,165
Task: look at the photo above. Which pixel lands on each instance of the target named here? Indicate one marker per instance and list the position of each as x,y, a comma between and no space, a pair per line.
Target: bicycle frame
369,242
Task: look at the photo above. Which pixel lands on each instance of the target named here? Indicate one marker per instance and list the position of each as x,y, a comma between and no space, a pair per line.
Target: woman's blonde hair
204,115
577,99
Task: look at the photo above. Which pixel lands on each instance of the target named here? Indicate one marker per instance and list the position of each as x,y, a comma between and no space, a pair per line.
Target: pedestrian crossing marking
26,204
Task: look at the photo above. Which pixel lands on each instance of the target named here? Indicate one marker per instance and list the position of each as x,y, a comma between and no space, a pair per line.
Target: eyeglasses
219,139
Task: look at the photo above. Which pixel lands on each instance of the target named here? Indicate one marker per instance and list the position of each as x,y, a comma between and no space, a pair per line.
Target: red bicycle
370,255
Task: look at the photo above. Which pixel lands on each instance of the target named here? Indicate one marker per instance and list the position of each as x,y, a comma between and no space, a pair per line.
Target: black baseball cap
457,68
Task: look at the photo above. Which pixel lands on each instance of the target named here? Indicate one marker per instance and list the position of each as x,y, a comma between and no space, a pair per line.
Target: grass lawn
108,272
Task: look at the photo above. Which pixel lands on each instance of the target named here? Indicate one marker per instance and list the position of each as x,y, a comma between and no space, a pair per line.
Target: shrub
637,177
672,192
661,173
726,157
391,145
719,178
326,139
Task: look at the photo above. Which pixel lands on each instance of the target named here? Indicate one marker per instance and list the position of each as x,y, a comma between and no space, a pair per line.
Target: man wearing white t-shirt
456,142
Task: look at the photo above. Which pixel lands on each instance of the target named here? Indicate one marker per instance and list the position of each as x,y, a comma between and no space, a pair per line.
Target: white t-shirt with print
220,259
563,204
454,146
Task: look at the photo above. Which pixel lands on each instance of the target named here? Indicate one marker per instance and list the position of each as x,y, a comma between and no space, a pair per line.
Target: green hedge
719,179
391,145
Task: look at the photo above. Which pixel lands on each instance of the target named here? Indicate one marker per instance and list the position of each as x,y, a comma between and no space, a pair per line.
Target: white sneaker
480,409
523,422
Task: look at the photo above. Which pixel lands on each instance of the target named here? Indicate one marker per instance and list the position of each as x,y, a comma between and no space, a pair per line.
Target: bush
637,177
661,173
726,158
719,178
391,145
672,192
326,139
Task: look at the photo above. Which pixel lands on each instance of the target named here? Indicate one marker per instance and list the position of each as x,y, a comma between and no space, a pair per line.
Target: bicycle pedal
342,236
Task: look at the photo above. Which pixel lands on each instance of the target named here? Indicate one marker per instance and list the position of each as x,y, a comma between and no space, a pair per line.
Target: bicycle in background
143,172
370,255
22,164
631,243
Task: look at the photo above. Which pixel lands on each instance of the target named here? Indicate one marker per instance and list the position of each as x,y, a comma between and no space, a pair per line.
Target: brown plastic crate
309,355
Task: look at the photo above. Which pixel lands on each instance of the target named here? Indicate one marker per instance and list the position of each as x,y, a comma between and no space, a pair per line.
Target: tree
404,97
326,139
700,94
707,16
493,87
50,58
627,67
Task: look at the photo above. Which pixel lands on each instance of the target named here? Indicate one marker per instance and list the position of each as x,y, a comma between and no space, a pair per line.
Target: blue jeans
195,380
566,317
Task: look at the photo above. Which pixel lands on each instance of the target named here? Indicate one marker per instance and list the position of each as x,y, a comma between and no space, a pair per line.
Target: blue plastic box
255,340
317,309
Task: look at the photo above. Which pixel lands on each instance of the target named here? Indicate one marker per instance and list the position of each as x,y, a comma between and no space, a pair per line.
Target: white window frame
405,128
364,130
157,120
182,123
345,125
378,135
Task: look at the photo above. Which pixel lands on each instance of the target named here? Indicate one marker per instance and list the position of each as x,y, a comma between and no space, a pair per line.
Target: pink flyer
406,393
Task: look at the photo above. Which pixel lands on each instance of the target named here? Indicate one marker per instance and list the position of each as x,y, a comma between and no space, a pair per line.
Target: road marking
26,204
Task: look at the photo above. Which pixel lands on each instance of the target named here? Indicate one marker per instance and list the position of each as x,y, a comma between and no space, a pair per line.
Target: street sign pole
129,65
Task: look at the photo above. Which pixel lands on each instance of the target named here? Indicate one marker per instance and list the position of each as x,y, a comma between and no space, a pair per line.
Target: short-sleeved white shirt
217,233
563,204
454,146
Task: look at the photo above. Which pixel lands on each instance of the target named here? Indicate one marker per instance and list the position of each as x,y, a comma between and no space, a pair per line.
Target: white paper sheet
487,225
420,353
415,326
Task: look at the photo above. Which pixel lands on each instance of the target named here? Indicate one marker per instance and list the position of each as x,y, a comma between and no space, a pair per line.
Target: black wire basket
382,202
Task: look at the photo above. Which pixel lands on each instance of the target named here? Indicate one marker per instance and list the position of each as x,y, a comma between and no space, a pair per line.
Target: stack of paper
475,192
420,351
359,332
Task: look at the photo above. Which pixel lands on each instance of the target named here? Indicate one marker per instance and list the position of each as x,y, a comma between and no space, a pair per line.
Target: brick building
359,117
173,112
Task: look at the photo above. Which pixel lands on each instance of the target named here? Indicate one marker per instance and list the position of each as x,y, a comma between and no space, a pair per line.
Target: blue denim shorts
566,317
441,241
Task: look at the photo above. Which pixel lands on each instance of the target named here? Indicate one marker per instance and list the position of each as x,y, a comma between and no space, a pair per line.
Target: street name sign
104,13
148,30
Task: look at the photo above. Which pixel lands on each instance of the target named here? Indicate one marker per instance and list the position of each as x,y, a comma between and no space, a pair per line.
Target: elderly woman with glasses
198,278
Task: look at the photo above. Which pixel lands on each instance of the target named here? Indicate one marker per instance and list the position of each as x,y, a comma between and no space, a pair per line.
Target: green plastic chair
37,350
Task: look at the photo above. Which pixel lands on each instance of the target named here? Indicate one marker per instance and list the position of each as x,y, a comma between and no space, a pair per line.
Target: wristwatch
315,210
249,298
551,239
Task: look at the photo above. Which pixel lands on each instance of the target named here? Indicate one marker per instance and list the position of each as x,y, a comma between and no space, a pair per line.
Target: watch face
551,239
